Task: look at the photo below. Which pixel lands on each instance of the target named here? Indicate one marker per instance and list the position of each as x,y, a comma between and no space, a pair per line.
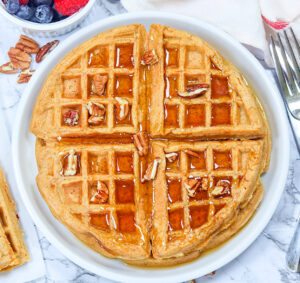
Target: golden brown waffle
118,224
163,205
181,222
13,251
115,54
226,109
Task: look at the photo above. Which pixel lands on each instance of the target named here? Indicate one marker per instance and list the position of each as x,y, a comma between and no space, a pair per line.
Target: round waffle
150,146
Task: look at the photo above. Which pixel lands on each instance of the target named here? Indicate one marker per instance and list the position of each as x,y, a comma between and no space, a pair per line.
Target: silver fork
288,75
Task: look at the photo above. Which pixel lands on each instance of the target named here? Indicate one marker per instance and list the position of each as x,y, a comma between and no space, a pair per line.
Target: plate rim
127,276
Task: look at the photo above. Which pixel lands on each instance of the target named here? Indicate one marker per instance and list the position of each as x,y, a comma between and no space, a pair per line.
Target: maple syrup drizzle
198,215
220,114
97,163
123,85
174,190
100,221
126,221
173,166
176,219
219,87
171,116
124,162
197,163
124,56
124,191
171,86
171,56
195,116
222,160
98,57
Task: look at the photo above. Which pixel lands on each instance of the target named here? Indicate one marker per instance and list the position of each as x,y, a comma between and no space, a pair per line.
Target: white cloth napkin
34,268
240,18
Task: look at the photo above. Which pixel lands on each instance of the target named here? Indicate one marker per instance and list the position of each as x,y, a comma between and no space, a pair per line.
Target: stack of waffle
13,251
150,146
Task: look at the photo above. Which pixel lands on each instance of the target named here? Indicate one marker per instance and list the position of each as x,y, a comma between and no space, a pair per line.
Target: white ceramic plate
25,165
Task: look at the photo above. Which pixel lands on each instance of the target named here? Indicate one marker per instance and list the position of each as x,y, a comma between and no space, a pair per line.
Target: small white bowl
51,29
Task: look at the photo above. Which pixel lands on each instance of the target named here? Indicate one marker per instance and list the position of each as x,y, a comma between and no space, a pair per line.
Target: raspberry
23,2
69,7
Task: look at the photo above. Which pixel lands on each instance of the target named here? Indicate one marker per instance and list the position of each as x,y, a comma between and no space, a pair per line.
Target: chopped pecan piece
204,183
122,108
151,171
8,68
141,142
192,186
194,91
70,165
71,117
172,156
96,112
25,76
221,188
99,84
192,153
149,58
19,59
45,50
100,195
211,274
27,44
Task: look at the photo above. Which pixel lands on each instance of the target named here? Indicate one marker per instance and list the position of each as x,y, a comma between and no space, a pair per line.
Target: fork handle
293,254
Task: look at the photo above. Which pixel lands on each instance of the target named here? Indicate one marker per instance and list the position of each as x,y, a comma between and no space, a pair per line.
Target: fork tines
285,60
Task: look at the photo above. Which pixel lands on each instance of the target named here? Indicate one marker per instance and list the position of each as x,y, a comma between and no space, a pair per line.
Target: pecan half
172,156
25,76
71,117
98,84
122,108
45,50
96,112
19,59
192,153
99,195
194,91
151,171
8,68
141,142
221,188
70,165
27,44
149,58
192,186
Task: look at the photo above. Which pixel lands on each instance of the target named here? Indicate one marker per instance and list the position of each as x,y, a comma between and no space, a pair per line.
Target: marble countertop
263,261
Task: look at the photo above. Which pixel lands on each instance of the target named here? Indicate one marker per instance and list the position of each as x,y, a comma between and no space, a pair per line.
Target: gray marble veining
263,261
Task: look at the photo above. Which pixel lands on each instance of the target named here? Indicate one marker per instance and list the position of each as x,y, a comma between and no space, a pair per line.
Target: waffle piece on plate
13,251
98,88
95,191
196,93
200,190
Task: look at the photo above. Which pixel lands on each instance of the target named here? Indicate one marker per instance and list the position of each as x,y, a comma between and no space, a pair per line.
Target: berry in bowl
46,17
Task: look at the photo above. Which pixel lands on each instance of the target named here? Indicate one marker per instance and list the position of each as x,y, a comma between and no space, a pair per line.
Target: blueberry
25,12
41,2
12,6
44,14
57,16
